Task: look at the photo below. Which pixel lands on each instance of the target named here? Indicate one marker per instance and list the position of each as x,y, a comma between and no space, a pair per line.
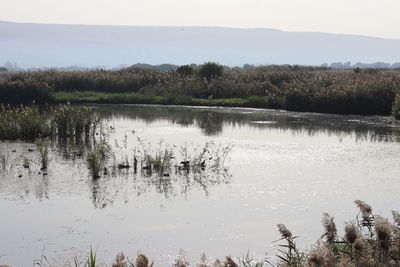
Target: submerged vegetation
297,89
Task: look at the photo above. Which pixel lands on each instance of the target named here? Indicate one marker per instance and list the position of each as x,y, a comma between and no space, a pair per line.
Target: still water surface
284,167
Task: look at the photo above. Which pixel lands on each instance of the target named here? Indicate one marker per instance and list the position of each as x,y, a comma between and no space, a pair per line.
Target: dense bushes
330,91
25,91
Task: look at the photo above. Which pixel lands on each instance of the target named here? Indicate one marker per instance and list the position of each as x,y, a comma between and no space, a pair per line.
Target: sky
378,18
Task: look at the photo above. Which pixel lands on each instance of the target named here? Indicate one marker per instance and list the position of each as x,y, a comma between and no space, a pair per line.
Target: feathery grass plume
229,262
367,260
203,261
366,214
321,255
396,217
351,232
181,260
289,252
217,263
383,231
285,233
365,208
143,261
120,261
358,246
330,227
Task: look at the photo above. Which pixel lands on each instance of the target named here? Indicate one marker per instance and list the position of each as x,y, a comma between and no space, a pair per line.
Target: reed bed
32,122
298,89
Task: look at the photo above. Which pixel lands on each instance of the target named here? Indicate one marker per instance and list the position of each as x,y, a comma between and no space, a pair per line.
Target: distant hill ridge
38,45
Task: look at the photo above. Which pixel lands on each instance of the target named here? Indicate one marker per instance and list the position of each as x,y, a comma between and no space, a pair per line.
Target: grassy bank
137,98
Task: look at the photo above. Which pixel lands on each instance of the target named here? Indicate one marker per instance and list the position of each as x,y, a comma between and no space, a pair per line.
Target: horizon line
197,26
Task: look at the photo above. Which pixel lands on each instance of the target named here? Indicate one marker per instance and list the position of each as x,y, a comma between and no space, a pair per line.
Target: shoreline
100,98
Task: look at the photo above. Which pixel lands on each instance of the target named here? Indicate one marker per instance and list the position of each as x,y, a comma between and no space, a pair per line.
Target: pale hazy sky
367,17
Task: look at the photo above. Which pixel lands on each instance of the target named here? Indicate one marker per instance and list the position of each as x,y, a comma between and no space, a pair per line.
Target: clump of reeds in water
96,158
69,121
42,145
165,159
4,159
31,122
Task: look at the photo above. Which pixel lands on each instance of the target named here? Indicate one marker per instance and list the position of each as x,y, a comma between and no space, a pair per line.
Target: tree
210,70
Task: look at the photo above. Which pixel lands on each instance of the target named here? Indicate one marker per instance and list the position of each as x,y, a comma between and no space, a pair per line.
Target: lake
282,167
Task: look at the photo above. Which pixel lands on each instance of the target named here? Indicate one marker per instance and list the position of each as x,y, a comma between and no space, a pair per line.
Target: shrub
210,70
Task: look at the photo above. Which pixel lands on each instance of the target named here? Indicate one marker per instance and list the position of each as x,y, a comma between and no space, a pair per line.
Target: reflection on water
104,192
212,121
283,165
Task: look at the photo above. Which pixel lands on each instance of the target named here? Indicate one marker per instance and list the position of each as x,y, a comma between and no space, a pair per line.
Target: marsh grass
31,122
4,158
42,144
328,91
163,159
90,260
97,158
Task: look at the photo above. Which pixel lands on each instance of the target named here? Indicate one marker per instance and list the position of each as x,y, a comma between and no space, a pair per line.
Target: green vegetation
31,122
135,98
210,70
299,89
